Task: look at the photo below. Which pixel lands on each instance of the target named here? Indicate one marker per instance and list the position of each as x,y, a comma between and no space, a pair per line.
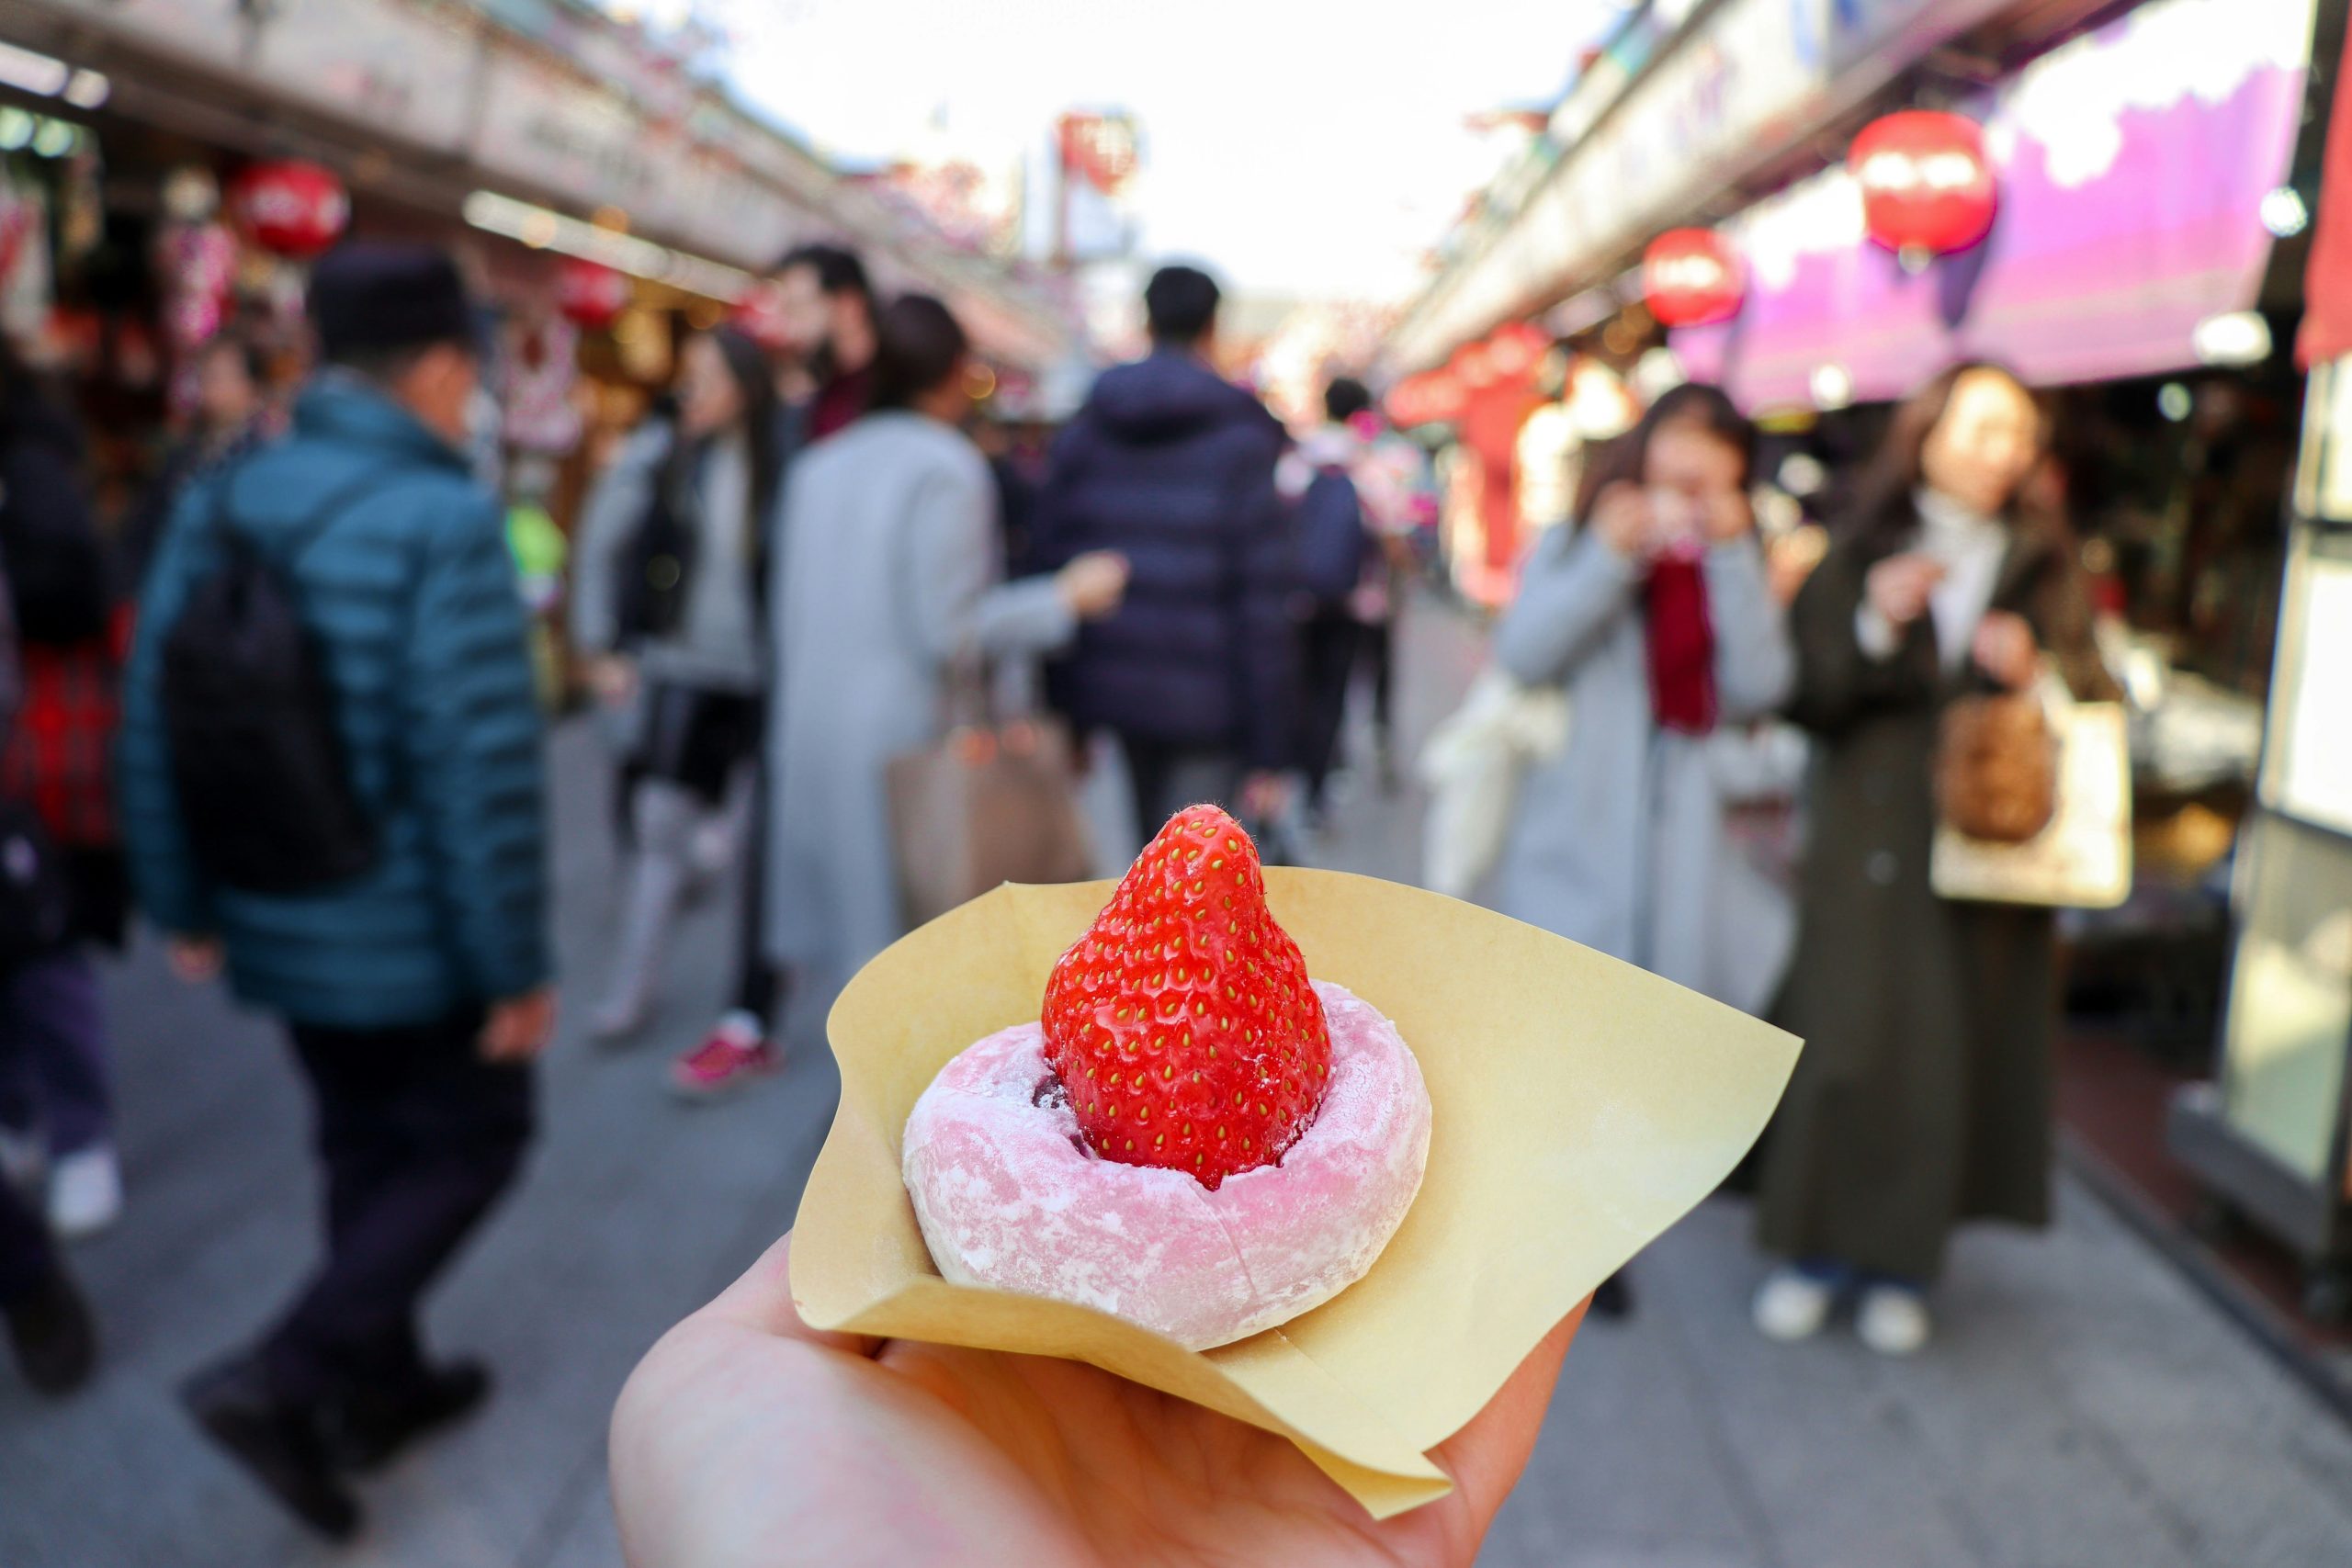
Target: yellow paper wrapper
1580,1105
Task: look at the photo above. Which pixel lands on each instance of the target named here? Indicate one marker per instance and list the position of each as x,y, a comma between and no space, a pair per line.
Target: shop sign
2132,162
213,31
548,129
394,67
1745,78
1749,76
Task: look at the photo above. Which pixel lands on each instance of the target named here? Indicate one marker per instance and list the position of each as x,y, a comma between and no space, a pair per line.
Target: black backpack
257,760
1332,543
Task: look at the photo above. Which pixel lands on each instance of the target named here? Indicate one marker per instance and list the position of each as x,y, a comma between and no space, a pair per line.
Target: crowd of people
295,719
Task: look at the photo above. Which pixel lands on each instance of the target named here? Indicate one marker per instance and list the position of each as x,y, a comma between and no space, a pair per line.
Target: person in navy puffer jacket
1172,466
417,993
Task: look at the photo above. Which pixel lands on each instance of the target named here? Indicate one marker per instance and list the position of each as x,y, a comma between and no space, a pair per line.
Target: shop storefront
2152,171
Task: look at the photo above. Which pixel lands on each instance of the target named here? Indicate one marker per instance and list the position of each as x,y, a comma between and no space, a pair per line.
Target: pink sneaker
724,1063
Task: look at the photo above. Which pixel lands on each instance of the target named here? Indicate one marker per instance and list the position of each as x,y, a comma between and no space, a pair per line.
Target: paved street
2085,1407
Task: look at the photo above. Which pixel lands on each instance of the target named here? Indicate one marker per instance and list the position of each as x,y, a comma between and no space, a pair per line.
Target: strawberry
1182,1024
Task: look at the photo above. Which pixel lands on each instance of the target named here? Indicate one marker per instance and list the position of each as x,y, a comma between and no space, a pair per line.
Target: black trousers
419,1136
27,1257
1166,778
759,983
1329,649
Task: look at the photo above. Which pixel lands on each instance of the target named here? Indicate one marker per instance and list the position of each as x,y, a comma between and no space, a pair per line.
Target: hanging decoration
291,208
1693,277
590,295
1927,185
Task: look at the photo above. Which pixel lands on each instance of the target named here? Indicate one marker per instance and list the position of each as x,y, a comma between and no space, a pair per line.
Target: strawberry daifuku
1181,1024
1101,1156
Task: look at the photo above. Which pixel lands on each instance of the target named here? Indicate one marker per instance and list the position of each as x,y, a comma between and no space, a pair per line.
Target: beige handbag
994,801
2081,855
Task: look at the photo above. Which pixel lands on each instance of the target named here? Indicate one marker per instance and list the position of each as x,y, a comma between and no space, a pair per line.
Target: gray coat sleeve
1572,590
616,507
1755,664
960,610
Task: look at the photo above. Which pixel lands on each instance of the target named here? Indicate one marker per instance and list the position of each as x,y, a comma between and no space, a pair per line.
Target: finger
1486,1456
762,1299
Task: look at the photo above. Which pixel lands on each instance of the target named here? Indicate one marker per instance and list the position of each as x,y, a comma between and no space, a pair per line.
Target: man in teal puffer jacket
417,993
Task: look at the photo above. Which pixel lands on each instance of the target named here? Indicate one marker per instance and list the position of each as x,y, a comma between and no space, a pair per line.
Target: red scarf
1681,646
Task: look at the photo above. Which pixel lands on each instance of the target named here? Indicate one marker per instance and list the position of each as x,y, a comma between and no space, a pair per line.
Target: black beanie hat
367,297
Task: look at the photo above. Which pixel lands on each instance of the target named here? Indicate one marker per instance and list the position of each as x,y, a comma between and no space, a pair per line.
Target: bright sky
1300,146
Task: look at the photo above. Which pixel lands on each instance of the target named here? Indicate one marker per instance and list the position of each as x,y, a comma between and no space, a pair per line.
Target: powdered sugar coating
1008,1196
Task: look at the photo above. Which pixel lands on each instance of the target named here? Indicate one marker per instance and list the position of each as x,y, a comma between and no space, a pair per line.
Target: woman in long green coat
1923,1095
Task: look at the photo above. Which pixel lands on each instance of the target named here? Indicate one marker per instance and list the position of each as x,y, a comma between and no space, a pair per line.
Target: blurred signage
541,125
407,70
1749,78
214,31
2134,163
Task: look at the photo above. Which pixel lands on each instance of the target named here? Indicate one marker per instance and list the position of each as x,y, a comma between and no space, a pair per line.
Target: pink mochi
1009,1196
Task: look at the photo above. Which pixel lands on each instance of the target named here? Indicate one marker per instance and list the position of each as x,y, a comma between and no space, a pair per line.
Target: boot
278,1442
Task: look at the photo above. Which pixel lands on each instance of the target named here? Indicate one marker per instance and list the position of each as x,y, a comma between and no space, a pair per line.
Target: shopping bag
1997,767
2082,858
1472,765
994,801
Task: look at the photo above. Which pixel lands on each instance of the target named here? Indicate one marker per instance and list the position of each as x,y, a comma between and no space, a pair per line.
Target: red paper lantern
1427,399
1927,184
590,295
1691,277
291,207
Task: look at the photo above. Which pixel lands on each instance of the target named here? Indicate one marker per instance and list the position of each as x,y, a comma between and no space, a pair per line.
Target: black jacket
1173,468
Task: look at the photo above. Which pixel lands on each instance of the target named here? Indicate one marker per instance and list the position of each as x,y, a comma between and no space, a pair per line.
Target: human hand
1726,515
745,1433
2005,649
1265,795
1789,559
1899,586
519,1027
196,960
1093,584
612,677
1620,515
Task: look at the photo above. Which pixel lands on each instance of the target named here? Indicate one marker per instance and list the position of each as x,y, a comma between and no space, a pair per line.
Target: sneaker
278,1443
374,1424
55,1340
24,1162
730,1058
85,1192
1793,1306
1892,1320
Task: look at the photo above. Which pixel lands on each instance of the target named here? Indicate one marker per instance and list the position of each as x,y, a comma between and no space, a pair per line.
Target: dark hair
1344,399
1627,459
837,267
379,305
917,343
747,366
1179,303
1882,496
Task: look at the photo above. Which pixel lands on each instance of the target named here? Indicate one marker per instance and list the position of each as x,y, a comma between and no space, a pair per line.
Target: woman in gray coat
887,580
1655,612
